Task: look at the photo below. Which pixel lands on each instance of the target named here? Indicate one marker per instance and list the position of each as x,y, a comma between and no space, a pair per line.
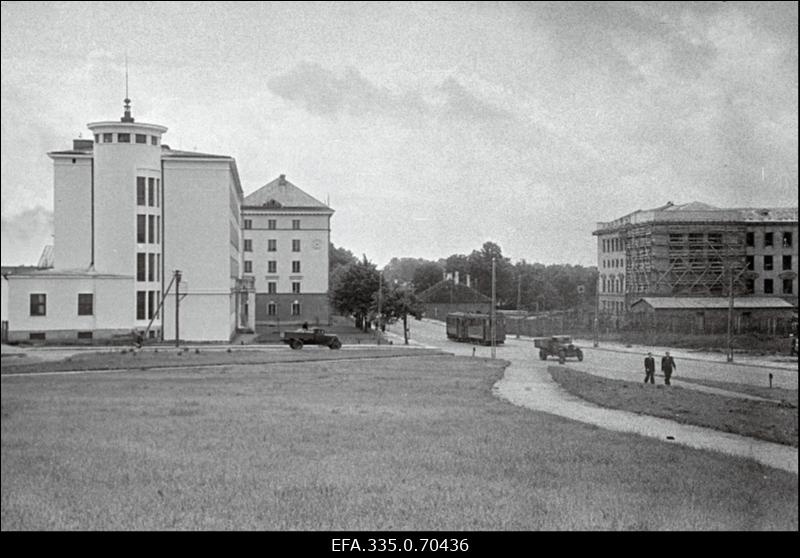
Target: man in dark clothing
649,368
667,367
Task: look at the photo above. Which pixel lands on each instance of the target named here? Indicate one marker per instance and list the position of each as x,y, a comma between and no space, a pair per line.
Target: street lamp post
177,307
493,318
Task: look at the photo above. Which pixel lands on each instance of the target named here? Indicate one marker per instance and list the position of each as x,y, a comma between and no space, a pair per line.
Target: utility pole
730,315
177,307
380,293
519,298
597,313
493,318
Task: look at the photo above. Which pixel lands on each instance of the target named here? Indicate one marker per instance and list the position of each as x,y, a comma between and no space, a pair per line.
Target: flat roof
713,302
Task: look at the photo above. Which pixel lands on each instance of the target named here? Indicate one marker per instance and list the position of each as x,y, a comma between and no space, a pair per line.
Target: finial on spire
127,116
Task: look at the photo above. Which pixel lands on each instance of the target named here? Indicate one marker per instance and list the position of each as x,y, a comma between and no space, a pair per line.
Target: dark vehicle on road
296,339
557,345
475,328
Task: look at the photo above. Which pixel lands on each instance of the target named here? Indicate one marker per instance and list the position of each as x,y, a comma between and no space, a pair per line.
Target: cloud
25,234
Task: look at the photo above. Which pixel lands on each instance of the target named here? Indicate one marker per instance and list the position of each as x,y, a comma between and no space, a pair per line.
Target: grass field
774,421
370,444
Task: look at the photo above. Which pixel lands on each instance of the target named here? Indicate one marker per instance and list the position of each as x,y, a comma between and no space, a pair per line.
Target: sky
430,127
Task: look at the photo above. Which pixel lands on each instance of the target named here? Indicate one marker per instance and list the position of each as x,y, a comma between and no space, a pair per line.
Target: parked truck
316,336
557,345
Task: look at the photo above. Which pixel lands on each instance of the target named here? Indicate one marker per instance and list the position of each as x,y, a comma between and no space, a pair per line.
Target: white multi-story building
286,237
129,213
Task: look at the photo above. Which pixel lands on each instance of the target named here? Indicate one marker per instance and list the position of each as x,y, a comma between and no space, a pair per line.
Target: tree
353,287
338,257
399,303
427,275
480,269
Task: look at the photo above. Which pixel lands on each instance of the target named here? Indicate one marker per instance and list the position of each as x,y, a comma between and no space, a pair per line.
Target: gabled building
449,295
286,238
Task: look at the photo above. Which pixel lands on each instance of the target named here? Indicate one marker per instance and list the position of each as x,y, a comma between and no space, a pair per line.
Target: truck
557,345
316,336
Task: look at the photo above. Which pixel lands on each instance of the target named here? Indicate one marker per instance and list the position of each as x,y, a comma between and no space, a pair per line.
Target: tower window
123,138
141,259
154,140
151,190
141,138
141,305
141,193
108,138
140,229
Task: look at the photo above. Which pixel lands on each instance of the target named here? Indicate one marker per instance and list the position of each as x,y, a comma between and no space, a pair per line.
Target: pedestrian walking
649,368
667,367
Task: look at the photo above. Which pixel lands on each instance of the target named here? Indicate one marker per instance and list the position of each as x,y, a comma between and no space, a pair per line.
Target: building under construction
696,250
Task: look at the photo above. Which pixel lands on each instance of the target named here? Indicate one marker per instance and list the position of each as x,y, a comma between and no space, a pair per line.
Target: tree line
533,287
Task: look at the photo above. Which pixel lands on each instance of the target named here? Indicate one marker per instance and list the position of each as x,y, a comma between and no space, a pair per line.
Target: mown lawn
773,421
383,444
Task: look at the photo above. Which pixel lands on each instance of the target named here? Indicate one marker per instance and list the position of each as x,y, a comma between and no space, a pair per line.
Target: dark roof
280,193
167,152
712,302
448,291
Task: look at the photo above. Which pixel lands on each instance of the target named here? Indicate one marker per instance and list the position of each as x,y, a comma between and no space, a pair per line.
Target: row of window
148,229
612,284
272,266
612,245
768,265
272,245
617,262
146,304
769,286
147,191
613,306
124,138
272,224
147,267
769,239
38,304
272,308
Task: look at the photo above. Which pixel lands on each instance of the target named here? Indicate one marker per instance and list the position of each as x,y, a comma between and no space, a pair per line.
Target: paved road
528,383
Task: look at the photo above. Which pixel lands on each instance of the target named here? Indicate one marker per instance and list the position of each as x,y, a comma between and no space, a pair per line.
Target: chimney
282,180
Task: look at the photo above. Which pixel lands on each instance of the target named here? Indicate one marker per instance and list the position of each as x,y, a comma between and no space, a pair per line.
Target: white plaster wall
114,303
72,205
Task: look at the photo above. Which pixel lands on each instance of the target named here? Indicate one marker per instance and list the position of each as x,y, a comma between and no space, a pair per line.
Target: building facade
696,249
285,247
128,213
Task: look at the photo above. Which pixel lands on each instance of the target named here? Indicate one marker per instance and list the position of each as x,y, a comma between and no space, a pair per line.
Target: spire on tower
126,117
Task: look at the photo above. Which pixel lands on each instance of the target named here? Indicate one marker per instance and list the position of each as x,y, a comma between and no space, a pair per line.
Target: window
768,239
767,263
108,138
140,265
248,266
141,304
786,241
248,245
97,138
36,337
158,266
151,304
85,304
750,239
272,224
141,138
151,190
786,263
140,229
272,287
38,305
151,229
154,140
768,286
272,266
272,245
295,266
158,192
158,229
272,309
123,138
296,287
151,267
750,286
295,308
295,245
248,223
751,262
296,224
787,286
85,335
140,191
